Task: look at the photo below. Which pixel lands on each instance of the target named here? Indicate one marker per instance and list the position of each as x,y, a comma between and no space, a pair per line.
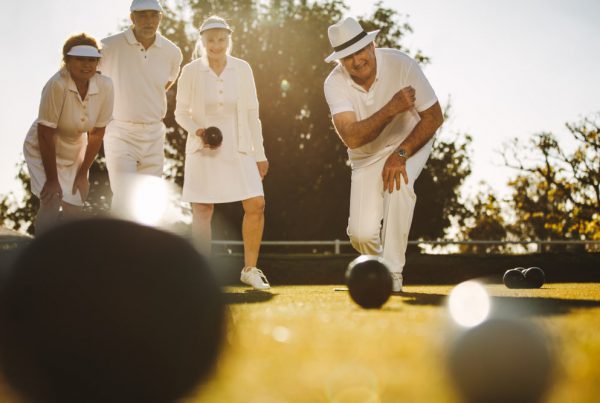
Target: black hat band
350,42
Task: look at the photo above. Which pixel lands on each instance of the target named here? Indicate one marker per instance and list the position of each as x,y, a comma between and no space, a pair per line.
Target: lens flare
150,200
469,304
143,199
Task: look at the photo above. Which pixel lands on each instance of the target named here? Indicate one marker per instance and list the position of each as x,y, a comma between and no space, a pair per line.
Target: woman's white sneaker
255,278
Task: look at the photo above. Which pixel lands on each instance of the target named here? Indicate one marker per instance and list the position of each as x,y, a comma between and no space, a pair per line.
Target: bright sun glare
469,304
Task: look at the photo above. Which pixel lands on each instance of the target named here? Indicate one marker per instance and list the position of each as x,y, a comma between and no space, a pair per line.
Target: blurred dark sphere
109,311
500,361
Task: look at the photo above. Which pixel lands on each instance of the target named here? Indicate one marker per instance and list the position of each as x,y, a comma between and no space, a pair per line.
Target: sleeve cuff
426,105
47,123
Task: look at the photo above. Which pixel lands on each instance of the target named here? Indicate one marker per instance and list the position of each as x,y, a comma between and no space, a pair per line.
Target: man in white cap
385,111
143,65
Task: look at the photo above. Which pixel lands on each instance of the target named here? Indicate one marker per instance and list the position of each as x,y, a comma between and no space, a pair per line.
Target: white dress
222,175
62,108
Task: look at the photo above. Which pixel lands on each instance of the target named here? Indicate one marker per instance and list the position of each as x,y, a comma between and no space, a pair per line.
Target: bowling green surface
313,344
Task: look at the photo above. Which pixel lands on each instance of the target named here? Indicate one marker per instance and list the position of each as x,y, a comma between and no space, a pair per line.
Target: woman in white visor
62,143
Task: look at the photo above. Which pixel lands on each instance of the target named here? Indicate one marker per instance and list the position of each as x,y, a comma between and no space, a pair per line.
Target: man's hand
82,184
402,101
263,168
51,190
394,168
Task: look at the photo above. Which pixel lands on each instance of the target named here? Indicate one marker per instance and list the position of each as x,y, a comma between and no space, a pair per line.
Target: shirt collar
205,67
71,86
158,41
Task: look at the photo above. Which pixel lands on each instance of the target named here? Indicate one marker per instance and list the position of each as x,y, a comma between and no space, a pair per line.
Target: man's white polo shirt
395,70
140,75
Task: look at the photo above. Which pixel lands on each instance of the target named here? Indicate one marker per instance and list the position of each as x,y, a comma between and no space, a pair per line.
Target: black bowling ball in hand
369,281
213,136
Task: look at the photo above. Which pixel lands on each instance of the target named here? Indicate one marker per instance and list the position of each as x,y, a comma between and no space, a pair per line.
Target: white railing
337,243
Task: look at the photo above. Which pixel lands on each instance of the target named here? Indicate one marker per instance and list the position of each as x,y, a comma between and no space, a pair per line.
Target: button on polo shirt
140,75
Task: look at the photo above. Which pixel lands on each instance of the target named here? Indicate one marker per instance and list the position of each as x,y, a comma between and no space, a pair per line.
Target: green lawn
313,344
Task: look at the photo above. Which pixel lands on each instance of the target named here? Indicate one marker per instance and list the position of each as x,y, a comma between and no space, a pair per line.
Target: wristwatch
402,153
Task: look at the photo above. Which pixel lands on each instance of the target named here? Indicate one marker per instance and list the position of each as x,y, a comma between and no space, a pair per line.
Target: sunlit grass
312,344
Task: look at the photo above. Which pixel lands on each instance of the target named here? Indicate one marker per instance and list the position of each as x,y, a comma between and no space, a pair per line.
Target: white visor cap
214,23
84,51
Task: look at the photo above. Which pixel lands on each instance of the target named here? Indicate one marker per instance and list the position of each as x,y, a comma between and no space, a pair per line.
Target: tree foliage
483,221
556,194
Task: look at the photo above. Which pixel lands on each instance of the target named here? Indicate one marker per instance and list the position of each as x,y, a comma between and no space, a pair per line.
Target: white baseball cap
214,22
84,51
141,5
347,37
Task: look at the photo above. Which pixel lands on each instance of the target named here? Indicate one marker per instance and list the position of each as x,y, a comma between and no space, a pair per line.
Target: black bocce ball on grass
213,136
514,278
109,311
519,277
369,281
534,277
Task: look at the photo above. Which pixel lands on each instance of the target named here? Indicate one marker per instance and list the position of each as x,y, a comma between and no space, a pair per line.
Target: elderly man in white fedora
143,65
385,111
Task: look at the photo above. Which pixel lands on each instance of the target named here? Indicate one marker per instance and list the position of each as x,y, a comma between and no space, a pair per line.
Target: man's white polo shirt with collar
395,70
140,75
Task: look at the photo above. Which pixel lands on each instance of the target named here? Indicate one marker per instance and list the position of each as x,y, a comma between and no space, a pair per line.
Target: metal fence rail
9,242
337,243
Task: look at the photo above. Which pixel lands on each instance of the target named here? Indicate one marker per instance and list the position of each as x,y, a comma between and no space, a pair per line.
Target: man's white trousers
380,221
132,149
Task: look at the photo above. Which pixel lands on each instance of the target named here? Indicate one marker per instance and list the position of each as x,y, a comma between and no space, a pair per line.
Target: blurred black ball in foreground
109,311
502,360
369,281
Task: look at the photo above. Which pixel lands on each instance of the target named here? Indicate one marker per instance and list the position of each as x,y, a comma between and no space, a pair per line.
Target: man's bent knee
365,240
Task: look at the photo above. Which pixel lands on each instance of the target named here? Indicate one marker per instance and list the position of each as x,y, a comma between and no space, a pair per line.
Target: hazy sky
511,67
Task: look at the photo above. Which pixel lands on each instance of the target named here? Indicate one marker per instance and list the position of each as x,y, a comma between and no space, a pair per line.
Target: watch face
402,153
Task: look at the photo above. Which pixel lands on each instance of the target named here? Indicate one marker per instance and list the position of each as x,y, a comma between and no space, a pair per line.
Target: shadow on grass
529,306
247,297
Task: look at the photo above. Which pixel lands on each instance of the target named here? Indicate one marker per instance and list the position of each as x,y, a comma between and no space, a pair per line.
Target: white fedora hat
347,37
84,51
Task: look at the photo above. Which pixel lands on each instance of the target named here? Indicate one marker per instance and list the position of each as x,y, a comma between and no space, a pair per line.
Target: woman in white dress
62,143
218,90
